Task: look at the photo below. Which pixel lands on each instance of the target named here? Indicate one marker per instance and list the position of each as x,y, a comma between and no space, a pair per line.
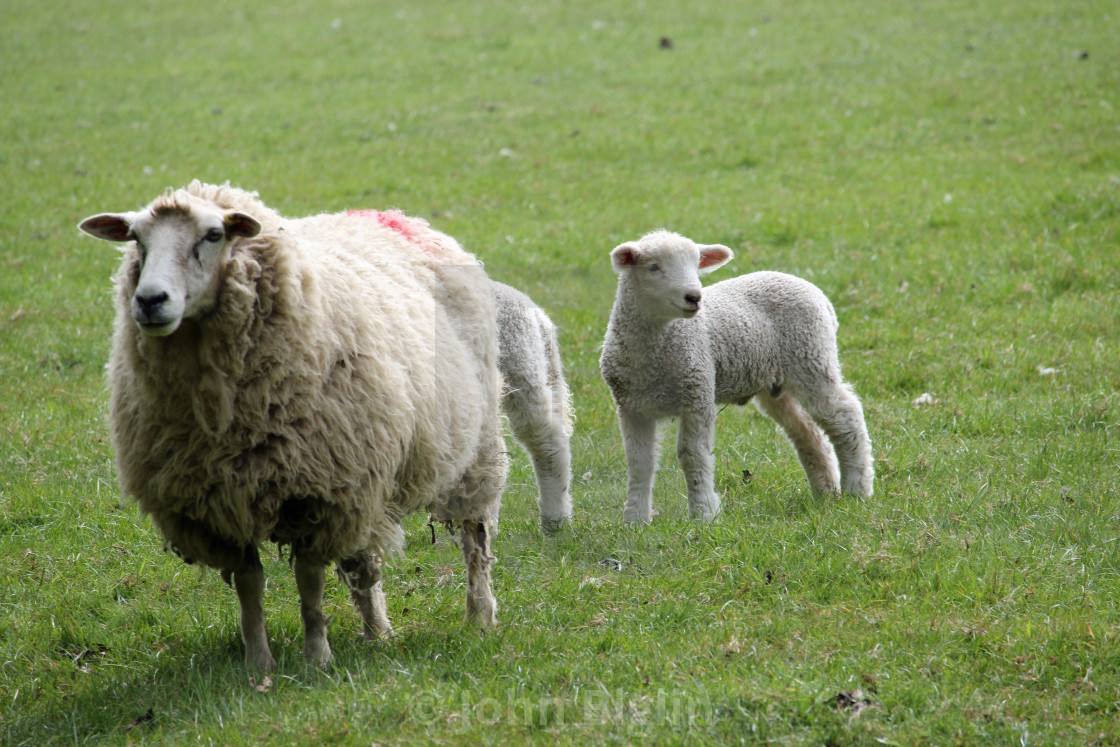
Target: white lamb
306,382
536,399
766,336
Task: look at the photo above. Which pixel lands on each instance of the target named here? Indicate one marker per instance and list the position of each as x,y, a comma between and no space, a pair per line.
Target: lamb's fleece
536,398
343,381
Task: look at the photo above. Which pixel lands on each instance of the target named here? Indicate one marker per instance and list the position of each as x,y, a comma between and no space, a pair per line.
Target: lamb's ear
625,255
240,224
713,257
109,226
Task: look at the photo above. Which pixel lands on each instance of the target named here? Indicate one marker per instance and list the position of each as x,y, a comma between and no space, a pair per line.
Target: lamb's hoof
637,519
704,516
553,526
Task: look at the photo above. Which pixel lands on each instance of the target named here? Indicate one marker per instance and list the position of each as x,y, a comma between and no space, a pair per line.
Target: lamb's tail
561,395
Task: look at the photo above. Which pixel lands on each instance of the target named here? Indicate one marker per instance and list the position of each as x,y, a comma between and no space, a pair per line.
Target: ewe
535,398
307,382
766,336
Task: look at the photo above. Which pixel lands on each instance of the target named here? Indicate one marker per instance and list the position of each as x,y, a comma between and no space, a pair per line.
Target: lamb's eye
214,235
654,267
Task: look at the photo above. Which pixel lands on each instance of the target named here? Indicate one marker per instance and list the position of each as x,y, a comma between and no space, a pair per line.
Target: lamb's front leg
248,580
310,582
639,438
695,446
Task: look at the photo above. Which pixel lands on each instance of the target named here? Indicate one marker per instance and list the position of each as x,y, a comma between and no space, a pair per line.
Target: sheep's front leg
695,444
310,582
362,575
248,580
482,608
639,439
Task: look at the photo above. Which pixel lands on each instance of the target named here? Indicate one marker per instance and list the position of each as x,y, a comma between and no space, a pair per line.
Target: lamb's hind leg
839,412
482,608
542,428
310,582
248,580
362,575
813,449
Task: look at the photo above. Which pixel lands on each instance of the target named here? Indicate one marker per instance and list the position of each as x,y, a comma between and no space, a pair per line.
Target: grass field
948,173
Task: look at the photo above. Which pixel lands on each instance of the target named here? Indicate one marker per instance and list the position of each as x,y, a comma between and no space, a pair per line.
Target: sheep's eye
654,267
214,235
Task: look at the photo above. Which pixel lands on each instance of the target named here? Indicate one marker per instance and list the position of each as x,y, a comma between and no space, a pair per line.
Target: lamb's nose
149,304
692,299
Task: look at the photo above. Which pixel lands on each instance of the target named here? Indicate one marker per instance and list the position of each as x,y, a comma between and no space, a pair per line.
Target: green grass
947,173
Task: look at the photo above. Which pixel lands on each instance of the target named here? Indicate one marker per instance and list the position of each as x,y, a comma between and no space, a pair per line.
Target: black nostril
148,304
692,298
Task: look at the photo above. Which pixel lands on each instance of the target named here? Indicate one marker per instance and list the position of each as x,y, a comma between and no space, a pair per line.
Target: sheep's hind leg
248,580
813,450
362,575
840,413
481,606
310,582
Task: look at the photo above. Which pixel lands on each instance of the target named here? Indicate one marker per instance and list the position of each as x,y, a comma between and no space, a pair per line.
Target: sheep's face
662,271
180,251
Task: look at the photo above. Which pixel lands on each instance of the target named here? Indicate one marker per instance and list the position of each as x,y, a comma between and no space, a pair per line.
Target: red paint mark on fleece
416,230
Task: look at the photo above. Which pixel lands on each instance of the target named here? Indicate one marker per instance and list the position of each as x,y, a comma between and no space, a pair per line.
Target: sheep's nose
149,304
693,300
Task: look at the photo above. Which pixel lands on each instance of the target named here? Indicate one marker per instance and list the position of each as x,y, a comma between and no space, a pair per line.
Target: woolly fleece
342,381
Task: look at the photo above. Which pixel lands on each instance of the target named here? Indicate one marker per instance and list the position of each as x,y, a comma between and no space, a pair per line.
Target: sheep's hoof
317,653
260,661
483,614
318,660
485,623
373,635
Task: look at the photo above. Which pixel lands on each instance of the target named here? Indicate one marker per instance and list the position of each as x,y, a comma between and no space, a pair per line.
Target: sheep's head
663,269
181,246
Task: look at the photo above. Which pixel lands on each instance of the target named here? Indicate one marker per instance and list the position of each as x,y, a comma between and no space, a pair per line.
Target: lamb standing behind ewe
305,381
765,335
535,398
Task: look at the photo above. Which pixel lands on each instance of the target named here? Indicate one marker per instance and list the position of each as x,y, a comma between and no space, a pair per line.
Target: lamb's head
181,246
661,272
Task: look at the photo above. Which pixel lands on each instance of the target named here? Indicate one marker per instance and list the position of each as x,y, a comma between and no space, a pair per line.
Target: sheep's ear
109,226
714,256
240,224
624,256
